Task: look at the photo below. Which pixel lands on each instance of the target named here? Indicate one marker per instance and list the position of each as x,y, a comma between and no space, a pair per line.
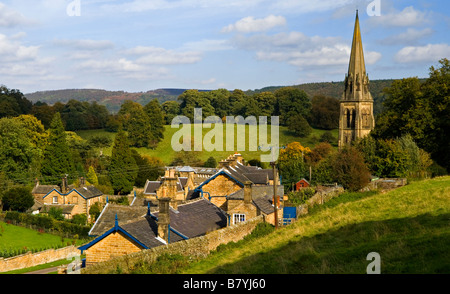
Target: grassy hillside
165,152
409,228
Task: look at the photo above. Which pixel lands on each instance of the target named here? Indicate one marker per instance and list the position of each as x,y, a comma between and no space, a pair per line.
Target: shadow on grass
413,245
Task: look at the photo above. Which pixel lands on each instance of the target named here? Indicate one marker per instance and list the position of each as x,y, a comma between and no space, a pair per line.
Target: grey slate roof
192,219
264,204
257,192
124,213
89,191
43,189
196,218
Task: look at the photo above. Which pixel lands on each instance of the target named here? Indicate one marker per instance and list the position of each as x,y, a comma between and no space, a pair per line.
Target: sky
138,45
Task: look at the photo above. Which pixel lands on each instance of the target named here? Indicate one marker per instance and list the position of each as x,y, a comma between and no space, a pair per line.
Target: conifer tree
92,176
156,116
123,169
57,156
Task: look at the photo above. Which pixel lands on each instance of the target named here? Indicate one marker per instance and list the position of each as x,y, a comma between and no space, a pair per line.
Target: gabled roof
43,189
86,192
241,174
151,187
124,213
192,219
115,228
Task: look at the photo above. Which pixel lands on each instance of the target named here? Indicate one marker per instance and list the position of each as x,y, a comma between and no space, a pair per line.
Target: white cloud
207,45
10,18
86,44
410,37
155,55
13,51
405,18
297,49
428,53
250,24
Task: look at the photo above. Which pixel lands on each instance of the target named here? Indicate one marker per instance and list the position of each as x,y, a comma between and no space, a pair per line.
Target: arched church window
353,118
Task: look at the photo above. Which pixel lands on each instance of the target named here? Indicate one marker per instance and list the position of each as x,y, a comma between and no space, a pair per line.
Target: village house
70,199
178,211
172,183
136,230
226,189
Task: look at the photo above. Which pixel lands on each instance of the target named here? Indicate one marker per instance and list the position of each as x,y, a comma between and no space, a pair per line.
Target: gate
289,215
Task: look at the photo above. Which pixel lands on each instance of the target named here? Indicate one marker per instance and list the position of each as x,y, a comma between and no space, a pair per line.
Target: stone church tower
356,118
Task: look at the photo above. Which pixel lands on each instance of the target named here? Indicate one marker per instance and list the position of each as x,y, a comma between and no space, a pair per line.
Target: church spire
356,106
356,82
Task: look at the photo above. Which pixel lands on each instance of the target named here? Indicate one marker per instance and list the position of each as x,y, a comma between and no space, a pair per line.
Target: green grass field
17,238
165,152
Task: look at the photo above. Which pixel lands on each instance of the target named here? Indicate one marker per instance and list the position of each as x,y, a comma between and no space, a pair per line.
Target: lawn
19,238
165,152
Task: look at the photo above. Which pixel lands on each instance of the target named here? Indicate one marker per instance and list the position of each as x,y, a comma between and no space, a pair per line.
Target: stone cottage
70,199
153,228
242,191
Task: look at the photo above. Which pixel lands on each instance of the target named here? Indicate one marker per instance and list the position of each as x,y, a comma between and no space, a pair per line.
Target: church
356,118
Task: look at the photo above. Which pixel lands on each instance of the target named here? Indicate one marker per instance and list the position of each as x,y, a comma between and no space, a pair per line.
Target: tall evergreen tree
123,168
57,156
156,117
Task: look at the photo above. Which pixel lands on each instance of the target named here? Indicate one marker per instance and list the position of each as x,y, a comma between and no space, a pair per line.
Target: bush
299,197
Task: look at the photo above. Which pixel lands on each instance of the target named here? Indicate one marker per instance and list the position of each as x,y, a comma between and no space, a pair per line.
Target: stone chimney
82,181
64,185
248,192
164,218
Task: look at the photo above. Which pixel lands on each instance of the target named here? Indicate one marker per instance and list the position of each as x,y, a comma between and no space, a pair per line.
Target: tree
210,162
324,112
138,125
17,199
319,152
291,101
349,169
191,99
122,170
291,163
91,176
149,168
19,157
298,125
170,110
156,117
421,110
13,103
57,156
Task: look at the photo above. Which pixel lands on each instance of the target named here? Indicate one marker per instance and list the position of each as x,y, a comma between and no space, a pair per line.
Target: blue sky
139,45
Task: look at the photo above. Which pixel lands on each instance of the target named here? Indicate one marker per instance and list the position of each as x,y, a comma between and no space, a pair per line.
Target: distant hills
114,99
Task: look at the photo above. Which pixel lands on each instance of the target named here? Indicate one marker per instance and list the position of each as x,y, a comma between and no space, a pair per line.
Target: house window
55,199
238,217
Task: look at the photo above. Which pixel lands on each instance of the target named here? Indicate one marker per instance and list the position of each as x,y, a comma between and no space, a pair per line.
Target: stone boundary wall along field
195,247
32,259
